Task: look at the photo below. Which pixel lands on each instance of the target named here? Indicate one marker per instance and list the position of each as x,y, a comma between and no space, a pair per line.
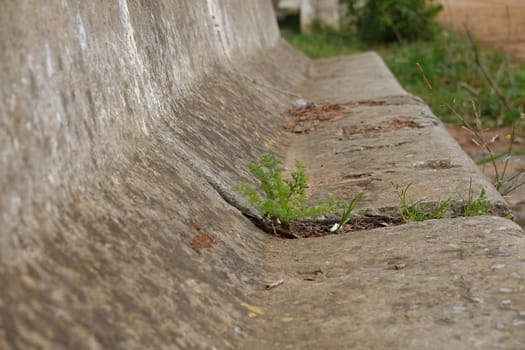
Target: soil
309,117
306,228
391,126
498,23
202,240
498,137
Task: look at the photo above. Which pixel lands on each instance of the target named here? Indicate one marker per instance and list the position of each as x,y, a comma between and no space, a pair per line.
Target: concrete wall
326,11
123,125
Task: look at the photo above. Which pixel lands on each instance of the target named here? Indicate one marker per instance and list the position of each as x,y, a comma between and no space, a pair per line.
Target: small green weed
475,206
285,200
418,210
346,214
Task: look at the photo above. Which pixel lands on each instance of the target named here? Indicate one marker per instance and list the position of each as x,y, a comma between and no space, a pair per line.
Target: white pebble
334,228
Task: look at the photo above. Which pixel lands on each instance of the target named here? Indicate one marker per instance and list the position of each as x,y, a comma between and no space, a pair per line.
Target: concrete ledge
439,284
123,128
352,78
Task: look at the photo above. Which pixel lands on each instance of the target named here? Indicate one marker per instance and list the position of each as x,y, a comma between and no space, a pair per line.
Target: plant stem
481,67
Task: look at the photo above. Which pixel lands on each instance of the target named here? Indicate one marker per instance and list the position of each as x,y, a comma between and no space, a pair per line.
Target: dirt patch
320,228
387,127
498,23
306,228
308,118
497,139
390,216
202,240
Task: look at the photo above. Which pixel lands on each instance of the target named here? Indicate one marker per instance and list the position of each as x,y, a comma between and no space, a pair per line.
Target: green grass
449,63
411,210
324,44
475,206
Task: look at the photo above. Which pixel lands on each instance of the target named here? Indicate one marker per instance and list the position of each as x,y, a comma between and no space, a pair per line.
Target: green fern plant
283,199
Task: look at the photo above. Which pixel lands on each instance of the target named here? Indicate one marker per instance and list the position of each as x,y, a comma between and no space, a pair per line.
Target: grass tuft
475,206
419,210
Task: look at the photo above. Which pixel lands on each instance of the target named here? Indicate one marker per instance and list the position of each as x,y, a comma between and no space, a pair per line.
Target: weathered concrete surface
353,78
120,124
440,284
389,137
124,126
400,145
